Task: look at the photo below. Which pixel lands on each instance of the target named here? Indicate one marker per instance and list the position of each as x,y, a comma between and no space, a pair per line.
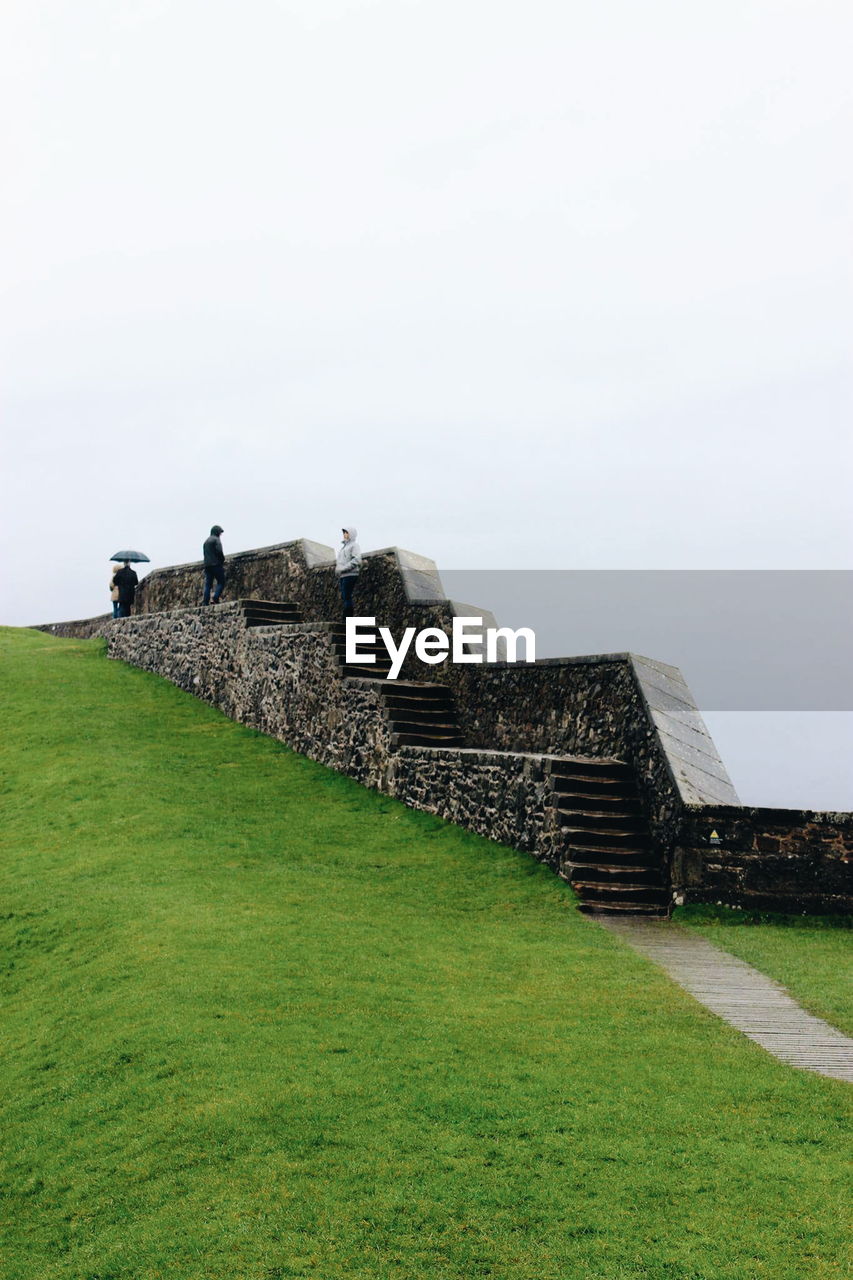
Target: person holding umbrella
126,580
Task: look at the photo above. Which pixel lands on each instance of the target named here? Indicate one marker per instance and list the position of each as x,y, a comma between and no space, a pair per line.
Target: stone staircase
420,713
268,613
608,856
376,670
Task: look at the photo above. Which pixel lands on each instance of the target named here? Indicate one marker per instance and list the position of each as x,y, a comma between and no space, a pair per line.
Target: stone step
274,610
601,807
613,869
591,767
602,784
435,727
639,848
268,613
651,891
257,606
628,857
623,894
269,606
401,692
592,839
248,602
622,878
421,689
428,740
637,833
578,819
584,801
421,707
260,620
416,706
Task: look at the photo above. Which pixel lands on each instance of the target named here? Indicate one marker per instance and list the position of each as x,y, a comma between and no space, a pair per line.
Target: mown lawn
810,955
259,1022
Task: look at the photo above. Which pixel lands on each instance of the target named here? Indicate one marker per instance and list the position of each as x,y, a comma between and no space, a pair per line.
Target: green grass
810,955
259,1022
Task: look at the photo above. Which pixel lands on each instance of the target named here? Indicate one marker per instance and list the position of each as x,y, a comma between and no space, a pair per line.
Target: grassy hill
259,1022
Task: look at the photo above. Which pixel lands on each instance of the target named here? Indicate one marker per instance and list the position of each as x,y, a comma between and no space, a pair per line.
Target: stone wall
396,586
504,795
763,858
515,718
287,682
82,629
268,573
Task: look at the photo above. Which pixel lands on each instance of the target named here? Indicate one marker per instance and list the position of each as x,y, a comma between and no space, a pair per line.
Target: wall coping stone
419,575
316,554
764,814
692,761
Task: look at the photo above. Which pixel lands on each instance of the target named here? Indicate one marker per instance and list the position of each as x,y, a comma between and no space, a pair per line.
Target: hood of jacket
351,530
348,559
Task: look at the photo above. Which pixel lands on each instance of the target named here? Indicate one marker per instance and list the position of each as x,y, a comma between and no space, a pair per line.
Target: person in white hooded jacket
348,568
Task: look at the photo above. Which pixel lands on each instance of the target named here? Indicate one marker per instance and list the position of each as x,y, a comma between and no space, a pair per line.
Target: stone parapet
769,859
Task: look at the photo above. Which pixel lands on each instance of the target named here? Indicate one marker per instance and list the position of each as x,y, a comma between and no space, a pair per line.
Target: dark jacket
126,581
214,556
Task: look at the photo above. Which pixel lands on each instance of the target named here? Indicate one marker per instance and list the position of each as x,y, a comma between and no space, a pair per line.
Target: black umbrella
135,557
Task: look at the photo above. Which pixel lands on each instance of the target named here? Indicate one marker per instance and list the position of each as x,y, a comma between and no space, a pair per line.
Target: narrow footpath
745,998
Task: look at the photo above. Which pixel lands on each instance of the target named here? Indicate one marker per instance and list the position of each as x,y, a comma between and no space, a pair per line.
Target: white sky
543,283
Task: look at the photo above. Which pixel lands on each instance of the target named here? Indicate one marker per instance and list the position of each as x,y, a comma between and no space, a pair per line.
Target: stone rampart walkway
745,998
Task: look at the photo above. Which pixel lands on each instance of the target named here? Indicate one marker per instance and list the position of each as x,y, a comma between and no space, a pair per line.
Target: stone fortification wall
754,857
287,682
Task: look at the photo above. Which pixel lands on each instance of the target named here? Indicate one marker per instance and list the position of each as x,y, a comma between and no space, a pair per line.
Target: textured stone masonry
517,719
754,857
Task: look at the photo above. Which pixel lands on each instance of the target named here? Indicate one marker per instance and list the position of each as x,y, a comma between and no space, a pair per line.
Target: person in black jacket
214,564
126,581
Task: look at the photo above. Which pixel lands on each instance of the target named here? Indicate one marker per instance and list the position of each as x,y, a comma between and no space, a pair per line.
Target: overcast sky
555,284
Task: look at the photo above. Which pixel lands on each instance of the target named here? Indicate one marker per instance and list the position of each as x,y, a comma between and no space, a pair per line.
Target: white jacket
349,557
